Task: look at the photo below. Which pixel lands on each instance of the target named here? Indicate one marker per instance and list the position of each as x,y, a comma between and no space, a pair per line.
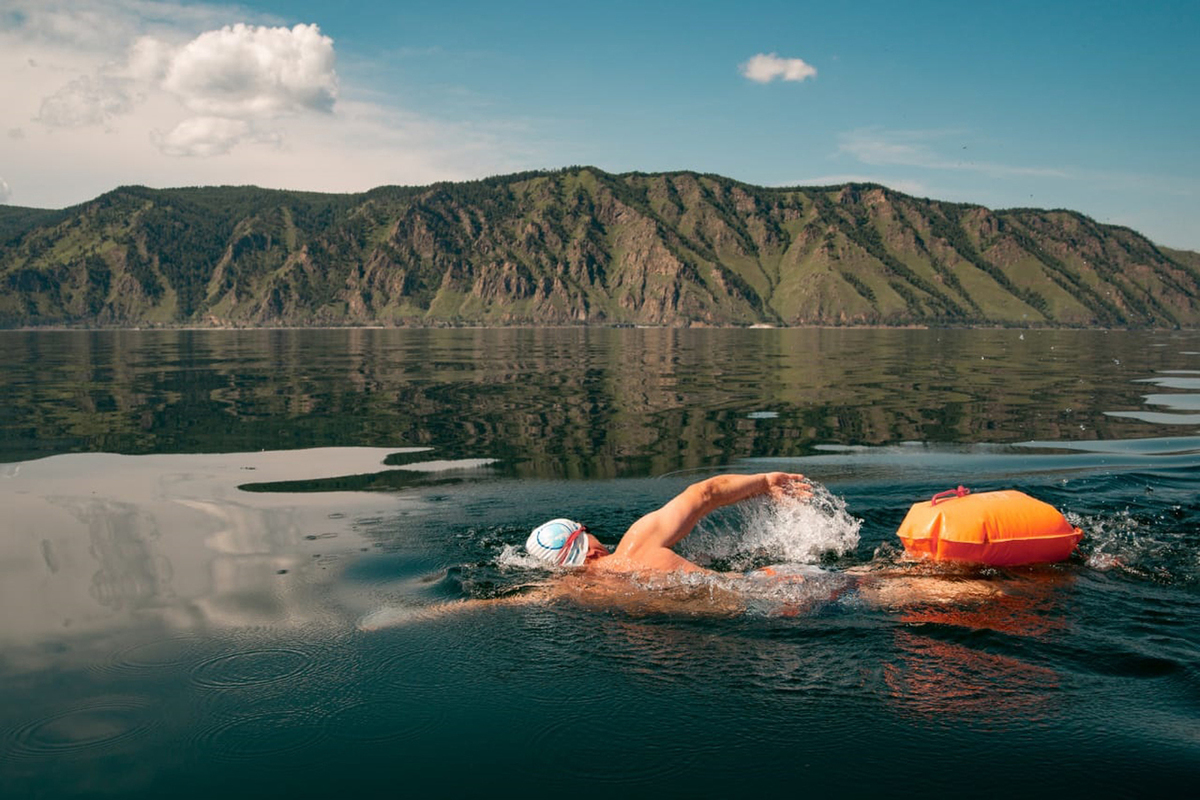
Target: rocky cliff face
580,246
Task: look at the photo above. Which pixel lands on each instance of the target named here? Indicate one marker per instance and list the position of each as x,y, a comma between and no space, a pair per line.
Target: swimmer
599,578
646,546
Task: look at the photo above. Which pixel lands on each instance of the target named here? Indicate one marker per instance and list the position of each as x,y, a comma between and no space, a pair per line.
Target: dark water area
229,559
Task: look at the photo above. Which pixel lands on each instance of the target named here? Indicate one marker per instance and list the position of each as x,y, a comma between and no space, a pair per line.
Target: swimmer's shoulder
658,560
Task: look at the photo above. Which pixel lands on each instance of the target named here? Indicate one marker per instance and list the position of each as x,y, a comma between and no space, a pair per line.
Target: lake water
222,554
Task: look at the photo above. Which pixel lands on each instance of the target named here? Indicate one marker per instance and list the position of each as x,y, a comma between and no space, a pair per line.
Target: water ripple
97,726
268,739
251,668
171,652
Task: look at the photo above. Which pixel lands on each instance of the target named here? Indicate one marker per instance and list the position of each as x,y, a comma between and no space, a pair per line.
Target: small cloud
148,59
906,148
203,136
16,133
86,100
245,71
235,79
106,26
78,24
5,191
927,149
766,67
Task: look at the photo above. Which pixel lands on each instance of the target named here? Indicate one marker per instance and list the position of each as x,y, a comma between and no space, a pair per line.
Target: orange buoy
1000,529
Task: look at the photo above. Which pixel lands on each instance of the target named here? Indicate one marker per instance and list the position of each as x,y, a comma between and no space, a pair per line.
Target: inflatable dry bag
997,528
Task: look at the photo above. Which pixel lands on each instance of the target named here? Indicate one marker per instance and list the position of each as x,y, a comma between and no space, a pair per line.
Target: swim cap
560,542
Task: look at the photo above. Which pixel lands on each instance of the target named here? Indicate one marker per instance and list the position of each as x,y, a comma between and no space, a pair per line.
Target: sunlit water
225,559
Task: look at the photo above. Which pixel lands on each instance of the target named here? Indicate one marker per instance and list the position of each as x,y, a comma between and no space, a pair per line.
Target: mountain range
579,246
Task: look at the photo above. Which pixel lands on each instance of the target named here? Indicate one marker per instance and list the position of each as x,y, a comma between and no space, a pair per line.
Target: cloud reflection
93,544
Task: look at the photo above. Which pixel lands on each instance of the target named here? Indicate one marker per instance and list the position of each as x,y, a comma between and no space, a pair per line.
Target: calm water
202,529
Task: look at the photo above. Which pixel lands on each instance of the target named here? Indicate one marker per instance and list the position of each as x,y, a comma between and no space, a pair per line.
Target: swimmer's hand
393,616
788,486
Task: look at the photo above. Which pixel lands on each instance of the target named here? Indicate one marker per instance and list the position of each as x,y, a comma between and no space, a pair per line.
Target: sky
1091,106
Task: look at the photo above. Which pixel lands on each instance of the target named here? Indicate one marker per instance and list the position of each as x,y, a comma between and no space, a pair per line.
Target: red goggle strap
566,548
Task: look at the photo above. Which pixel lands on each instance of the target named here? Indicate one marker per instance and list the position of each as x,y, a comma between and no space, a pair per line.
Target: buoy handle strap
961,491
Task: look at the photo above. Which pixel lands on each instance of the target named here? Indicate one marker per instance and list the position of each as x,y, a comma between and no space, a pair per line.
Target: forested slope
579,246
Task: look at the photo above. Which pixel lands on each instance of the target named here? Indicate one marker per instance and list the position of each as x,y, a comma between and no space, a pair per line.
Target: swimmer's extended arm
393,616
648,541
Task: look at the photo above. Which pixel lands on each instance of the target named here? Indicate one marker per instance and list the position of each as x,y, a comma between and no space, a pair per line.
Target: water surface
197,523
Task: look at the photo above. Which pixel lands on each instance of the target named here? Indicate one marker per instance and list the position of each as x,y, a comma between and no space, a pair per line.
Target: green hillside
579,246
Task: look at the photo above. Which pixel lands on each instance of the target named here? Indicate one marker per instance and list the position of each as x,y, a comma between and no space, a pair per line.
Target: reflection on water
939,680
104,542
181,619
574,402
952,664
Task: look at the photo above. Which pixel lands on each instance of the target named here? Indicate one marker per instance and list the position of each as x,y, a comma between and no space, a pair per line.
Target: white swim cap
560,542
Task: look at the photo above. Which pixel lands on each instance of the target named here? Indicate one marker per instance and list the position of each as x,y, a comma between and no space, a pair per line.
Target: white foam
791,589
755,533
776,531
515,556
1123,542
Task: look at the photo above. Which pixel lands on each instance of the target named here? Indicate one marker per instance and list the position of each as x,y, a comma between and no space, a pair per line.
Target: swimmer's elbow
722,490
704,494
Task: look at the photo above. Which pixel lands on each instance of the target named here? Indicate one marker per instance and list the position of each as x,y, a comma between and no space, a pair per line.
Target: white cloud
148,59
285,122
766,67
926,148
5,192
86,100
202,136
233,80
252,71
80,24
107,26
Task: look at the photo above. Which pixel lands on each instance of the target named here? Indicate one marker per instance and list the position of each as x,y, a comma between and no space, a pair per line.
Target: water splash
752,534
515,556
765,531
784,590
1136,545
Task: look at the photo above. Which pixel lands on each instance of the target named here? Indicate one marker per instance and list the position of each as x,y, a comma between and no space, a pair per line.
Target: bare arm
648,541
393,616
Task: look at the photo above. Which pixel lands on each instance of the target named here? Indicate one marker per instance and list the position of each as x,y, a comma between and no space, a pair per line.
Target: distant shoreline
758,327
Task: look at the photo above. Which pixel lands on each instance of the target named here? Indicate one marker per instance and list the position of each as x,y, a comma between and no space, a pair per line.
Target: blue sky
1089,106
